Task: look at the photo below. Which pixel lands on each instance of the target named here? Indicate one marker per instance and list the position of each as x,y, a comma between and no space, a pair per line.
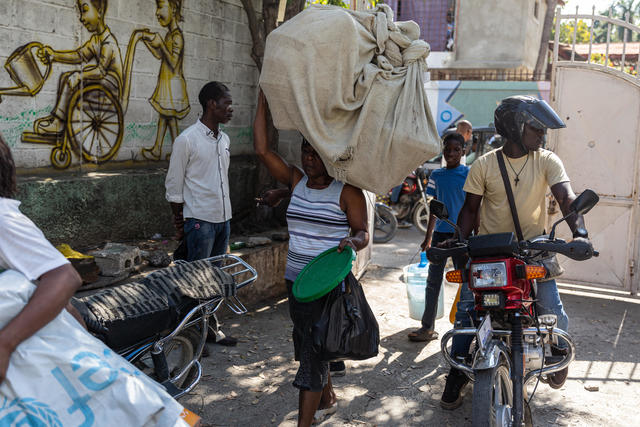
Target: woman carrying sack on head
321,213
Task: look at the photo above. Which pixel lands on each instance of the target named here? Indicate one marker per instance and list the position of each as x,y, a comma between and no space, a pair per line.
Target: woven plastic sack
63,376
352,84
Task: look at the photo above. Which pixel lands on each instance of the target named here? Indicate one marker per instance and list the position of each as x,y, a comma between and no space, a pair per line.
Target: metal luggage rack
238,269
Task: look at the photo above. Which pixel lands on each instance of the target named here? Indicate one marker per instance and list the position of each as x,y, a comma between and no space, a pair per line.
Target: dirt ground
251,384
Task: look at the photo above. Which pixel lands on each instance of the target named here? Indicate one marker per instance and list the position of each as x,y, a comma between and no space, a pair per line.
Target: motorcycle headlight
489,275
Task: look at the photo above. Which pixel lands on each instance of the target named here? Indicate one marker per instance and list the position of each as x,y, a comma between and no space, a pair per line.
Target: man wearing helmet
523,122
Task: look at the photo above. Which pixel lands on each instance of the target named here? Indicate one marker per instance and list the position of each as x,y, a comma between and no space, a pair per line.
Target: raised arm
468,216
353,203
278,167
564,194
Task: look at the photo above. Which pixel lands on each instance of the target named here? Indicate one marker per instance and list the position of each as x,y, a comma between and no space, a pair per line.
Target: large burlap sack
63,376
352,84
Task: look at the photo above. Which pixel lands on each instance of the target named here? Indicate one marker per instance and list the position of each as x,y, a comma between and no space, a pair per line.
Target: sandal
323,414
422,335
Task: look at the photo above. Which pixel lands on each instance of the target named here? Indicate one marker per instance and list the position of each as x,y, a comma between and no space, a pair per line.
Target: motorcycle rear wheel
420,217
386,224
492,397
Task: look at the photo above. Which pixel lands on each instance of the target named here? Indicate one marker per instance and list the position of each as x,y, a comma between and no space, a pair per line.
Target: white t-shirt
23,247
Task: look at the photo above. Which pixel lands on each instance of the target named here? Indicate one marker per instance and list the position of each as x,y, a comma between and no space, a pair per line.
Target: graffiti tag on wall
88,116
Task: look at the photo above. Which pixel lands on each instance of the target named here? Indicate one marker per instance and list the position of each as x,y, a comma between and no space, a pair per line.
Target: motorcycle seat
126,314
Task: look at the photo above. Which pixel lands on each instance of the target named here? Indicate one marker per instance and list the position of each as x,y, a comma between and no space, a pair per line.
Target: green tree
331,2
567,29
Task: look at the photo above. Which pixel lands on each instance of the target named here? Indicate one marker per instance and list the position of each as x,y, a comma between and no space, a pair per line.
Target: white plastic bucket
416,284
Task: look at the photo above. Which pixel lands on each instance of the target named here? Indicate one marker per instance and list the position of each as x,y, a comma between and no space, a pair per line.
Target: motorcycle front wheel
492,397
386,224
421,217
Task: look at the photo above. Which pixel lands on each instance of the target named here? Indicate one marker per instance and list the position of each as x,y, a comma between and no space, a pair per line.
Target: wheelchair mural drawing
91,102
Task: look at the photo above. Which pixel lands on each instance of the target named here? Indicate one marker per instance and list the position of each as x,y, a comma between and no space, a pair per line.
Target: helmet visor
542,116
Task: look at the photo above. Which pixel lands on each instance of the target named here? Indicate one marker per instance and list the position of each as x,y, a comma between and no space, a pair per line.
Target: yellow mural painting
88,117
170,98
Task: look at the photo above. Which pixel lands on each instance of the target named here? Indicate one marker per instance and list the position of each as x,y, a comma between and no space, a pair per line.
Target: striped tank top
316,223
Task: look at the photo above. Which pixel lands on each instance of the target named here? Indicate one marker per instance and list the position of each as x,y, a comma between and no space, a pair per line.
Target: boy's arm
426,244
47,55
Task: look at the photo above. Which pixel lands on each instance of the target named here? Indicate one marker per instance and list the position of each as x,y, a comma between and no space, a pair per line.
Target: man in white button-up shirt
197,182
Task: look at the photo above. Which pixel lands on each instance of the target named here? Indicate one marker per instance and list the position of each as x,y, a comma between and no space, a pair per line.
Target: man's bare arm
469,214
564,195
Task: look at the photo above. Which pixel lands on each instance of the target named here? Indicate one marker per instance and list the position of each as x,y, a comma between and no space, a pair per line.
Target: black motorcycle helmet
516,111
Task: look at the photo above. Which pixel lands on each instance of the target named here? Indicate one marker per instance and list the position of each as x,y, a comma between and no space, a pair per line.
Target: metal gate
600,104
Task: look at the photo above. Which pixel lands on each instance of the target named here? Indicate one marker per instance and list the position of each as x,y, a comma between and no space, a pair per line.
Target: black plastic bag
346,328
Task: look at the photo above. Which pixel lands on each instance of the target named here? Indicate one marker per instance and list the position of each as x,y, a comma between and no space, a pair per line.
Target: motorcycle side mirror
584,202
580,206
438,209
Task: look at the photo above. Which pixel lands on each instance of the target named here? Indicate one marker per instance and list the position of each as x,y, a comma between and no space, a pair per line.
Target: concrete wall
117,205
217,46
498,33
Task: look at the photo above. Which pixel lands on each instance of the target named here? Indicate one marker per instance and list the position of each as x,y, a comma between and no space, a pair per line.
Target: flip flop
323,414
423,335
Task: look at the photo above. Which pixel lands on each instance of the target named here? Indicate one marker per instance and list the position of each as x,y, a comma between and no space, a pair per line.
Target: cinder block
116,259
67,22
233,12
35,16
242,34
217,28
197,23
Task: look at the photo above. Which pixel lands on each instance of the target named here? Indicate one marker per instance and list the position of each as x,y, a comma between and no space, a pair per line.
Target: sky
585,5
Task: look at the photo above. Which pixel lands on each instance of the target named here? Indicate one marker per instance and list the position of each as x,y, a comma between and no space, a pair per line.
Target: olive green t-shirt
542,170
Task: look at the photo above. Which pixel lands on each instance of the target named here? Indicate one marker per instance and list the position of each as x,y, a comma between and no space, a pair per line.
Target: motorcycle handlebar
579,249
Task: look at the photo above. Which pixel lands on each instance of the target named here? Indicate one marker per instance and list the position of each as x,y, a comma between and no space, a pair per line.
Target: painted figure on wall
102,53
88,117
170,97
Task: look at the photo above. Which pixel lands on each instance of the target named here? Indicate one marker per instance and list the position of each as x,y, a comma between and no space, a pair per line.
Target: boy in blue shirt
445,184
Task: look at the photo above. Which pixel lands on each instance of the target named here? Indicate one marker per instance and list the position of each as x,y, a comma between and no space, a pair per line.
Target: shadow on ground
251,383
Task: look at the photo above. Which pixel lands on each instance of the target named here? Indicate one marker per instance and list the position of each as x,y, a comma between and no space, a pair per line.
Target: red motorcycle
511,339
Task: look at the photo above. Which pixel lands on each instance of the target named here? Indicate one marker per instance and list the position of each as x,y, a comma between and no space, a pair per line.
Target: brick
143,85
116,259
233,12
242,34
67,22
197,23
217,28
35,16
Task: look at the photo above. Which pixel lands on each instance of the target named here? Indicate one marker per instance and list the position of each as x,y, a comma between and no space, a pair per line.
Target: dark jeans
205,239
434,282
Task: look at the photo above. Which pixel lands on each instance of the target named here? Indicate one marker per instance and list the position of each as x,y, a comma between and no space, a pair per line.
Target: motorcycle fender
491,358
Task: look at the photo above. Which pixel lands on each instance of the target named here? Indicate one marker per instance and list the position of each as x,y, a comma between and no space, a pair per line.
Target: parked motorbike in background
160,323
512,342
410,206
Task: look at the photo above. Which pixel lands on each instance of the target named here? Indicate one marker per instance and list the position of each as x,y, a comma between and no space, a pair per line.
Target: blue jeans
205,239
465,316
548,302
434,282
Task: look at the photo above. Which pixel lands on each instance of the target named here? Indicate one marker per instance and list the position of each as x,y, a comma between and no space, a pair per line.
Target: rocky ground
251,384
